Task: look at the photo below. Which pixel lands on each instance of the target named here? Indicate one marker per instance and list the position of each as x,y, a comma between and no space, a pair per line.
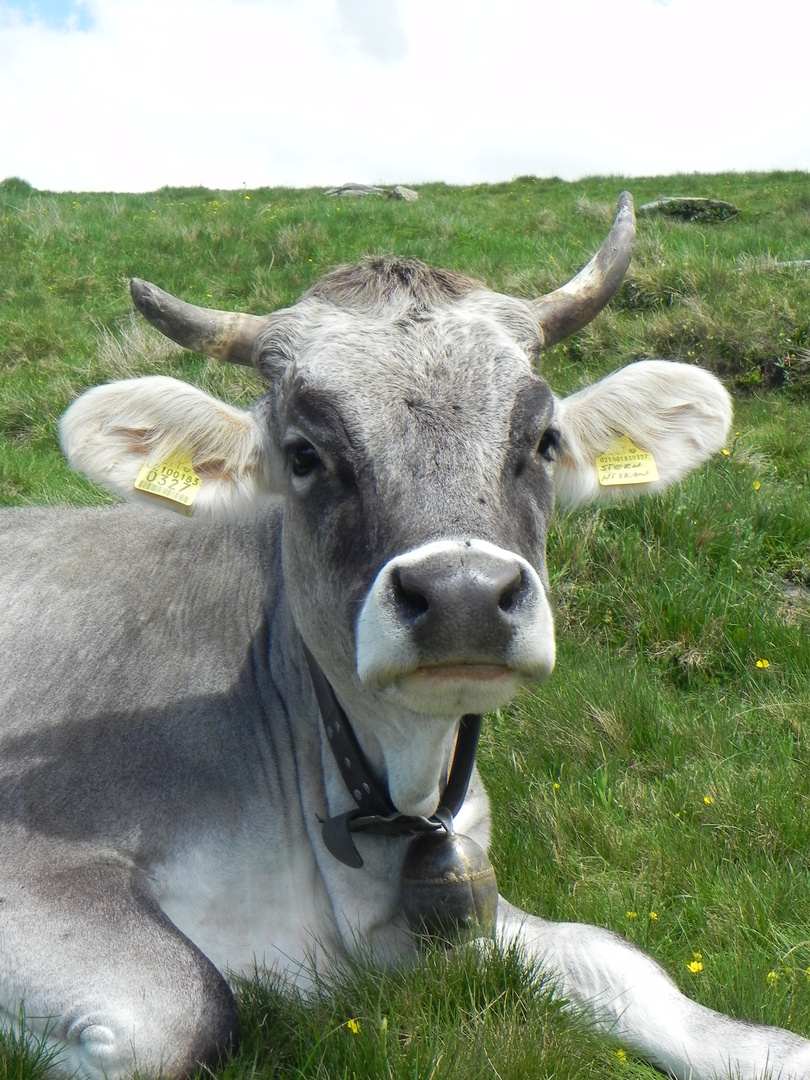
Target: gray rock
356,189
690,208
398,192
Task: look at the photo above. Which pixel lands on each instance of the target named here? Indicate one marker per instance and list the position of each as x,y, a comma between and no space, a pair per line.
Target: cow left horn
569,308
225,335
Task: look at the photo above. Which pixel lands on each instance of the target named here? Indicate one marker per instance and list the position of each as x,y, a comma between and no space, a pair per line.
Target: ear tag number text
624,463
173,479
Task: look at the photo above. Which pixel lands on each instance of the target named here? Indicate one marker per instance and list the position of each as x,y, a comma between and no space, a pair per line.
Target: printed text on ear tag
624,463
173,479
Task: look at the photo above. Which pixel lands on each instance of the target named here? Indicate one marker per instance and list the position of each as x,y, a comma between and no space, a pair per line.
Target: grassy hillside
659,783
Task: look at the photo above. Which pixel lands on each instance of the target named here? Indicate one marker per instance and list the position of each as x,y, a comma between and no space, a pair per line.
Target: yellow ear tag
173,479
624,463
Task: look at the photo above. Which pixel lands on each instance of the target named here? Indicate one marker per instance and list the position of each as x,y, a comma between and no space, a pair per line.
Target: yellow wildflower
762,664
621,1054
756,485
707,799
771,977
632,914
654,916
695,966
353,1027
725,453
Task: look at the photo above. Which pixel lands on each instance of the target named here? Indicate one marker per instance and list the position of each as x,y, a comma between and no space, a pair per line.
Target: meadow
659,782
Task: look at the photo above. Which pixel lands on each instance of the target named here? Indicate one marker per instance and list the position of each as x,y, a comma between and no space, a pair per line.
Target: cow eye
549,445
303,459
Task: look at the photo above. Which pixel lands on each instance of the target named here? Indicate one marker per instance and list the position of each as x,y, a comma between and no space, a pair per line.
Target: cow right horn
569,308
225,335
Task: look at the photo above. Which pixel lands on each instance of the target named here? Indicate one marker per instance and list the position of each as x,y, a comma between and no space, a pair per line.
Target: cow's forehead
465,359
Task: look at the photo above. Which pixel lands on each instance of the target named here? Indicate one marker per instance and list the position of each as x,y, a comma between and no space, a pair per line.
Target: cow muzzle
455,626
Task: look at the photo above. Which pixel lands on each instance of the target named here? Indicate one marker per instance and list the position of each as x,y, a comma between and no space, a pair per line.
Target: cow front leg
100,973
623,992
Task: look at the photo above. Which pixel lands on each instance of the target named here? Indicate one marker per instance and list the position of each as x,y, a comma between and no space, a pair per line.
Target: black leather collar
375,812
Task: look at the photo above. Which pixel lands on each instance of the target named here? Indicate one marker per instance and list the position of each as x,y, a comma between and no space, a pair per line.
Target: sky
132,95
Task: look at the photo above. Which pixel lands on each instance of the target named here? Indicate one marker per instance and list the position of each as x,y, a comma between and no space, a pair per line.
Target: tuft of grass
24,1056
461,1014
14,185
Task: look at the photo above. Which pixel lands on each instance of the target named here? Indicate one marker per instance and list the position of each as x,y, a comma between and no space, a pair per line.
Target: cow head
418,454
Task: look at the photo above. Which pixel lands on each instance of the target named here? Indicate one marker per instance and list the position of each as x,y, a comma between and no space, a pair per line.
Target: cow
225,731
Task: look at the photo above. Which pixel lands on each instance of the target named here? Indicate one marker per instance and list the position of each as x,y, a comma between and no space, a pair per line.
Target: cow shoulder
157,608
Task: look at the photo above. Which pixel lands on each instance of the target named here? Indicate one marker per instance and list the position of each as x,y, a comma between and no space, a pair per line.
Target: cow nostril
409,599
515,593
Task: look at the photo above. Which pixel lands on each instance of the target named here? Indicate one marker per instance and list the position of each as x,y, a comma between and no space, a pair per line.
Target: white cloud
226,92
376,27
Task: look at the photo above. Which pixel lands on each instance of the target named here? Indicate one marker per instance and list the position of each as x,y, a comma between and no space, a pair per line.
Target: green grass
659,783
23,1056
448,1017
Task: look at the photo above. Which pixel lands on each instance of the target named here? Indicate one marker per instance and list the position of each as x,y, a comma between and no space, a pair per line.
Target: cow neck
375,812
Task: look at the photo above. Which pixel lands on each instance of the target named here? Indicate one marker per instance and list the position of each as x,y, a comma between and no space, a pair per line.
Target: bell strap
375,812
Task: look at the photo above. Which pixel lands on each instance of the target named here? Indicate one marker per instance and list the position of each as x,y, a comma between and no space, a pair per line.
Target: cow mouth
440,673
456,688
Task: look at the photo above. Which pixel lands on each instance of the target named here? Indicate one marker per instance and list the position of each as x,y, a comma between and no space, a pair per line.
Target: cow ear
674,415
183,449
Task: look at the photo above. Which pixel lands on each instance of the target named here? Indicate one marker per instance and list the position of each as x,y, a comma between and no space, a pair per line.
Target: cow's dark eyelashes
303,458
548,446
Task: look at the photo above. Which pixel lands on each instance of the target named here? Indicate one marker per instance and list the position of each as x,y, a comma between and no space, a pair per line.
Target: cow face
414,451
417,454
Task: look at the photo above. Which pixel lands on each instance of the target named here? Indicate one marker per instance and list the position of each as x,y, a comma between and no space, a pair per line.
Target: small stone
406,193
